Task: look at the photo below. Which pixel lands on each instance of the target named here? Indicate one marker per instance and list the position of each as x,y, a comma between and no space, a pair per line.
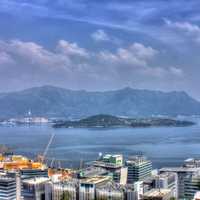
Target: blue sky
100,45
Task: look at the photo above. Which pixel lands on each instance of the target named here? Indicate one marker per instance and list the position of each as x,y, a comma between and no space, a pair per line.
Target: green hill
107,121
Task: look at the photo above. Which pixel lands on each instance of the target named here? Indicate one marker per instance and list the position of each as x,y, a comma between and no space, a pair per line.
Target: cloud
100,35
164,72
139,60
71,49
72,66
136,54
186,28
176,71
5,59
34,54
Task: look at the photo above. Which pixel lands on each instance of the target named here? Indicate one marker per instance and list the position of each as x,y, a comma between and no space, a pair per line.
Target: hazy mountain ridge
49,101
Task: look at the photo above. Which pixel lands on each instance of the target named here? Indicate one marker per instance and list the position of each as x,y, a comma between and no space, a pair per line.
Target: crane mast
42,157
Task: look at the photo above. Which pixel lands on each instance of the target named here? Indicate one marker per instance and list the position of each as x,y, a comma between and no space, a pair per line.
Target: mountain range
50,101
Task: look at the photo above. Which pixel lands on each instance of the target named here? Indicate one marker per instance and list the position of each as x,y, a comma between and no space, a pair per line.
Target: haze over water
164,146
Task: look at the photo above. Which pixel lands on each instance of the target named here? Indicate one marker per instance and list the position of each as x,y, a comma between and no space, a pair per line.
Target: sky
99,45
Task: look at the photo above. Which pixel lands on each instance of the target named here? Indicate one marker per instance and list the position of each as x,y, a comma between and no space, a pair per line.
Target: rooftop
106,165
110,186
114,156
37,180
93,171
157,193
180,169
95,179
165,174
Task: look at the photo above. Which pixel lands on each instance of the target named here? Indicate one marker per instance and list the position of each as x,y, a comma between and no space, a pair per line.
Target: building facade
138,169
61,190
7,188
34,189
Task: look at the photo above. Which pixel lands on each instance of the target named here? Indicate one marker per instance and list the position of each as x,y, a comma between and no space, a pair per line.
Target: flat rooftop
37,180
165,174
157,193
93,171
114,156
180,169
95,179
106,165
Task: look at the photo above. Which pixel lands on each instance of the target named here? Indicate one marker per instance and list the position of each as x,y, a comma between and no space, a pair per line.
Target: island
109,121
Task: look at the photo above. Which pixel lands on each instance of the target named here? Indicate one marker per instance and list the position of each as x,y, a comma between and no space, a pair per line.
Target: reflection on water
164,146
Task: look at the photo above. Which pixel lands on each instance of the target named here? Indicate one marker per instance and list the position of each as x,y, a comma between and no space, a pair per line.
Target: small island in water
109,121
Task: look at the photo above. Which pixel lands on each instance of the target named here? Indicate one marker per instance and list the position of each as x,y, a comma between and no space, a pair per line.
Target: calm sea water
164,146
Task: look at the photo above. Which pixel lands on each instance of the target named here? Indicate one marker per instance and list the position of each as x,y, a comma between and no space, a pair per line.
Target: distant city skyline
100,45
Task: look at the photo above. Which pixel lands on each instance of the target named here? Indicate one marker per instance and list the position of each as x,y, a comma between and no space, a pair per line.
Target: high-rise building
187,180
34,188
7,187
138,168
110,191
87,187
191,185
113,164
60,190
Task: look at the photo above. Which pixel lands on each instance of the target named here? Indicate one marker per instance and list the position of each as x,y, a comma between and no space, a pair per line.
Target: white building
7,188
34,188
55,191
187,180
87,187
111,191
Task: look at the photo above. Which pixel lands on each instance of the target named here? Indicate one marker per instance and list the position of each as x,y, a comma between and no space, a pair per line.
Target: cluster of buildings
25,120
110,177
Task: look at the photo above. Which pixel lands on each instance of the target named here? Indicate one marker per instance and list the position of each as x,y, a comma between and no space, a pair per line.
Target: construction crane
52,162
42,157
